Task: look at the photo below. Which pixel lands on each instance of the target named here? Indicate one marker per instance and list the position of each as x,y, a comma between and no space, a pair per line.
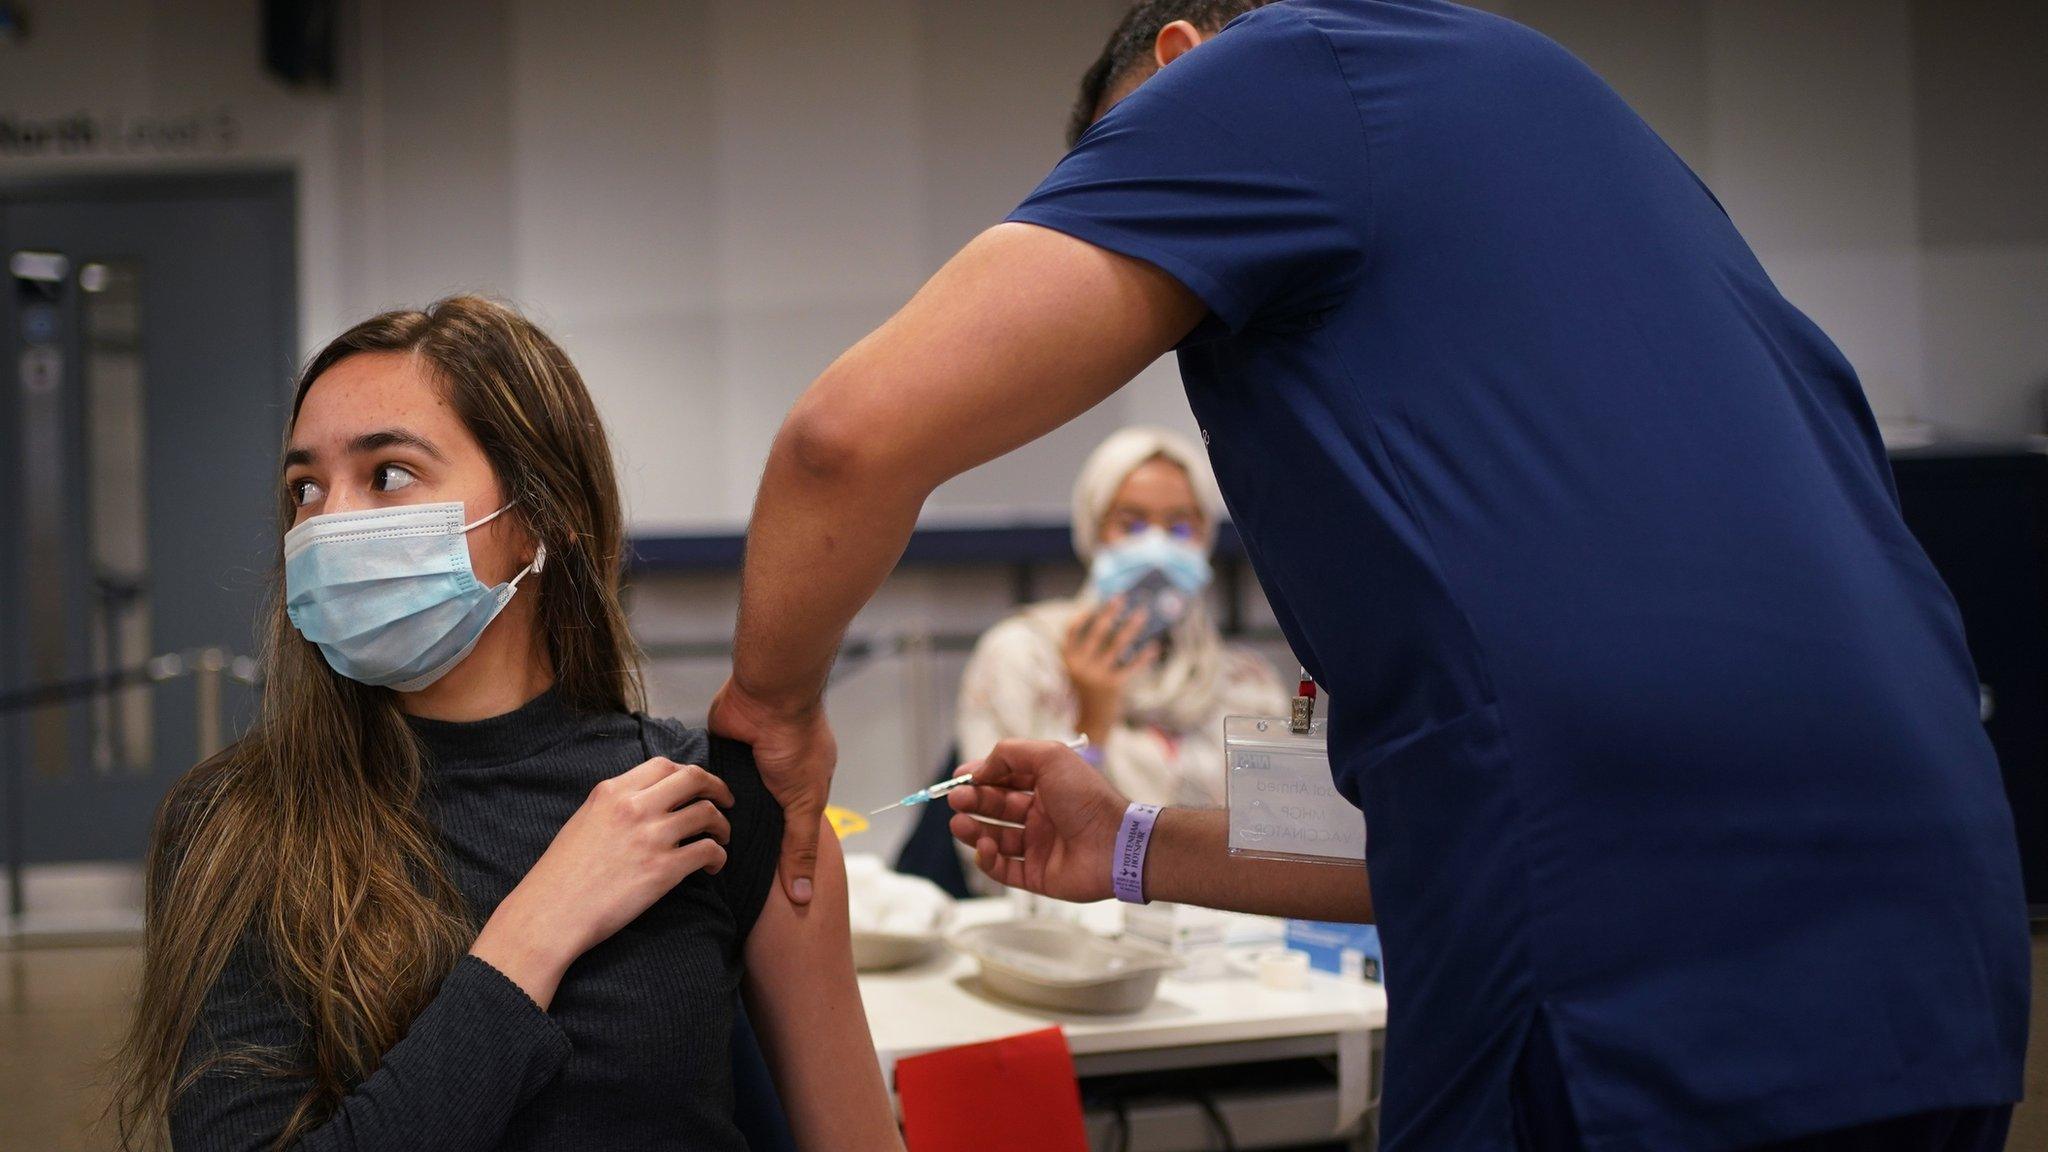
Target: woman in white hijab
1145,513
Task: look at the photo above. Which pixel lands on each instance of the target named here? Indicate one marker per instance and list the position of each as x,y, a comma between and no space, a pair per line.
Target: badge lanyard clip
1304,717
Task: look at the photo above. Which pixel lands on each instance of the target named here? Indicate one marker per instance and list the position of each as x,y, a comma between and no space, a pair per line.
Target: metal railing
891,698
207,667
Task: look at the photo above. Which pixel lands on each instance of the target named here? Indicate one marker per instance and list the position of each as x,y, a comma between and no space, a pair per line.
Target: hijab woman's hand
1099,662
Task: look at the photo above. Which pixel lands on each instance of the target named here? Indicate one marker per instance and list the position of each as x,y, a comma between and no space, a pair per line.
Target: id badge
1283,804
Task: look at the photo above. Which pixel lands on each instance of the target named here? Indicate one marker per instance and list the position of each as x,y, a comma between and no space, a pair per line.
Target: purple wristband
1127,868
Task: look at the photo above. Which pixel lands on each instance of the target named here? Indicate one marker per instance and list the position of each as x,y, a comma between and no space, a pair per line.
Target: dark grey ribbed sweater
634,1052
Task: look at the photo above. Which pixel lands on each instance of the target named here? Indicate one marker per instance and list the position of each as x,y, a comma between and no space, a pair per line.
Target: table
1193,1023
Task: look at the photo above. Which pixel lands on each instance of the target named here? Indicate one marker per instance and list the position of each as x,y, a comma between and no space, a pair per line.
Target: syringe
932,792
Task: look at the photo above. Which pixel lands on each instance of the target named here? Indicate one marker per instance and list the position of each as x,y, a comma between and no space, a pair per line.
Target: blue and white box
1329,945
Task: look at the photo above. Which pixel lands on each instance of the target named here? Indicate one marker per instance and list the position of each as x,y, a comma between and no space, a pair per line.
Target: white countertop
937,1004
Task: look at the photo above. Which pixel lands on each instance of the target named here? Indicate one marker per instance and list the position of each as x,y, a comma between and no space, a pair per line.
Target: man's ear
1175,39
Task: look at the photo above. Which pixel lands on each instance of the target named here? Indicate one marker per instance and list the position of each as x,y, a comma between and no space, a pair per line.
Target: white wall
707,199
791,172
1886,160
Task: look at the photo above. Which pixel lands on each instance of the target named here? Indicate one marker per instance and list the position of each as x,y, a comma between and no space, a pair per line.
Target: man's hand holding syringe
1041,818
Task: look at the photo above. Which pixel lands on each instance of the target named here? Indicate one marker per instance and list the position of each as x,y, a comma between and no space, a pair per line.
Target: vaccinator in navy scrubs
1684,832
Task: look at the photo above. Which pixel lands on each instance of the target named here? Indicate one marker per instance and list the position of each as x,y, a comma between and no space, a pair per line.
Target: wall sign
92,134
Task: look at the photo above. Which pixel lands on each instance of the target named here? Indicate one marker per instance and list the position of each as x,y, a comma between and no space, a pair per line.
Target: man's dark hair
1130,46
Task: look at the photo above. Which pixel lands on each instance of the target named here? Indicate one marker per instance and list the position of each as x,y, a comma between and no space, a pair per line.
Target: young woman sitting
452,891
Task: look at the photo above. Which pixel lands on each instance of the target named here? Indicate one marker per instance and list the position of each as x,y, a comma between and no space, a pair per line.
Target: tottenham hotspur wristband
1127,869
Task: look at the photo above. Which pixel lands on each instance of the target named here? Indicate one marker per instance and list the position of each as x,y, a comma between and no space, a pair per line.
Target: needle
932,792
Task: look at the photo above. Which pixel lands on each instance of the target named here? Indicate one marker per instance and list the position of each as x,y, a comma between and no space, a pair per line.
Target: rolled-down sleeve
471,1059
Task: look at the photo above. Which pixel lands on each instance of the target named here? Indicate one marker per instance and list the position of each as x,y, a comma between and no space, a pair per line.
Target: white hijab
1180,691
1112,463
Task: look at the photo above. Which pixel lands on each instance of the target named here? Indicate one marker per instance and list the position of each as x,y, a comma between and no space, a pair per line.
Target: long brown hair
304,842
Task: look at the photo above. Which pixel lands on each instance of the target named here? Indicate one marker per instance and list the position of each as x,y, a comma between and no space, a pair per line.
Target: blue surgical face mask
388,594
1118,567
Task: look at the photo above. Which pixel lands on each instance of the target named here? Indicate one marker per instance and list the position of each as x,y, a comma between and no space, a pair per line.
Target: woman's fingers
644,774
707,856
1126,636
1146,657
1103,642
687,783
699,819
1089,628
1081,632
1077,629
1096,619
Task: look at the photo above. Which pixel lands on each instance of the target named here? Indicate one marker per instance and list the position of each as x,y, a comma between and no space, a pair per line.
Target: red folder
1017,1094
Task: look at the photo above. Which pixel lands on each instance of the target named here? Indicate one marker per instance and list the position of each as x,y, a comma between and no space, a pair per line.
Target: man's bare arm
1040,818
1189,862
1020,332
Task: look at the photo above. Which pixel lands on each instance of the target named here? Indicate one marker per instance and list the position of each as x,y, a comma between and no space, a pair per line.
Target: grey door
148,327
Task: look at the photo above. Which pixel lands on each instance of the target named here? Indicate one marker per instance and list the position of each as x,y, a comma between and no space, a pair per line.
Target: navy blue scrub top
1663,724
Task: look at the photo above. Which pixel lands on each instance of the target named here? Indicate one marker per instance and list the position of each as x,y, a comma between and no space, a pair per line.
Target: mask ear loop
540,561
540,551
475,524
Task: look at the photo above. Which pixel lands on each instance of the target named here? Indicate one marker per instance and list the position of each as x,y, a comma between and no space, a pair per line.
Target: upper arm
1024,329
805,1003
756,820
468,1061
227,1103
755,817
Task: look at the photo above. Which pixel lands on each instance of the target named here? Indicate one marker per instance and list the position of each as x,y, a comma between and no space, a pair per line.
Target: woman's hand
1093,652
635,838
